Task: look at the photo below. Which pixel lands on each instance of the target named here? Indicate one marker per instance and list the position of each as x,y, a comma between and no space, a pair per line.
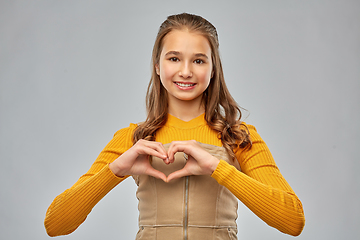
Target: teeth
185,84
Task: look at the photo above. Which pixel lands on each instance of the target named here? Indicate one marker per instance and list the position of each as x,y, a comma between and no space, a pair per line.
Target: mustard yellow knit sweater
259,185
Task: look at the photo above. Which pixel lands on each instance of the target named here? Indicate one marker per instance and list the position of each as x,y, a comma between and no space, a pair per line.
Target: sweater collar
176,122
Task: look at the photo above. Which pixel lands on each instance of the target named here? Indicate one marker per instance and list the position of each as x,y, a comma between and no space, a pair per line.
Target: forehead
185,42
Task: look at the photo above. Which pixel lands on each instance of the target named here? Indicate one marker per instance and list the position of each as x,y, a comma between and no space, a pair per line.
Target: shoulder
122,139
254,135
126,131
249,127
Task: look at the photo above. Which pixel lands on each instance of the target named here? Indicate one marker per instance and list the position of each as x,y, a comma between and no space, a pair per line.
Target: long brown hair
222,113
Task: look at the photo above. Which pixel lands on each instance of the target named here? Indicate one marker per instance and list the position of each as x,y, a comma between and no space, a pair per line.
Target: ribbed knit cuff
110,176
102,183
222,171
70,209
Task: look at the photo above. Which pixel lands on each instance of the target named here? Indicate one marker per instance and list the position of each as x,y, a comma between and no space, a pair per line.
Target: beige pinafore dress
190,208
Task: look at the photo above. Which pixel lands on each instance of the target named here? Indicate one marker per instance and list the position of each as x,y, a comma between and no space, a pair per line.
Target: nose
185,71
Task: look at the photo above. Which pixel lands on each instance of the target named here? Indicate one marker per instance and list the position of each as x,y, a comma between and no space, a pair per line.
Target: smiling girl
192,158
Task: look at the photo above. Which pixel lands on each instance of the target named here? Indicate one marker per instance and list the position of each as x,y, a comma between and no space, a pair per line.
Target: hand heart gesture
199,161
135,161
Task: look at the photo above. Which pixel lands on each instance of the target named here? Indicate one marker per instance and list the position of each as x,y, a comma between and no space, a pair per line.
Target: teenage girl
192,158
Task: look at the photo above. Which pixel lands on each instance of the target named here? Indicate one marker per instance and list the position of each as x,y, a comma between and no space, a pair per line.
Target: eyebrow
172,53
201,55
176,53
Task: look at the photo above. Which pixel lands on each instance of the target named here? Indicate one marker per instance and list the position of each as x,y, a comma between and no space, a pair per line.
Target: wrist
214,165
115,170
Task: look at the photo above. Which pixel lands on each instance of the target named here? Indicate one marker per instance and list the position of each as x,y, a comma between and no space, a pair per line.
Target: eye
198,61
174,59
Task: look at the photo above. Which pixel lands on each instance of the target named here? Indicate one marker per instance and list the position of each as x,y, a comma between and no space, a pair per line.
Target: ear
157,69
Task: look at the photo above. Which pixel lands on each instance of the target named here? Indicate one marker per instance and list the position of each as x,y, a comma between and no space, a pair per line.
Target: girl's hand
199,161
135,161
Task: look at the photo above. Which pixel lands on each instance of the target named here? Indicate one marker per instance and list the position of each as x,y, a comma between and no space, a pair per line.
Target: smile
185,84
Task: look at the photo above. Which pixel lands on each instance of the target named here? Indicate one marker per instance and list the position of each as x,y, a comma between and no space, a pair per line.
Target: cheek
165,77
205,76
167,72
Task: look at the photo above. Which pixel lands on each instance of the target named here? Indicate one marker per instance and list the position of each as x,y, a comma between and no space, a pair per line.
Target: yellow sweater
259,185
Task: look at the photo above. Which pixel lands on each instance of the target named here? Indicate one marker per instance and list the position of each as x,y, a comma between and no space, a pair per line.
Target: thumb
157,174
177,174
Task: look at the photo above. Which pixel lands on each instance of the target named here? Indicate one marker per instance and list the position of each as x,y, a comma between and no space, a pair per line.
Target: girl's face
185,66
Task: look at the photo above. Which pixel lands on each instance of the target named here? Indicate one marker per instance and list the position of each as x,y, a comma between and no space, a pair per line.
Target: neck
186,110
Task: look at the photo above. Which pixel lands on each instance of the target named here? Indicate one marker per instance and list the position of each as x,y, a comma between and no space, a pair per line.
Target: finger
177,174
153,152
158,147
144,147
155,173
177,146
161,149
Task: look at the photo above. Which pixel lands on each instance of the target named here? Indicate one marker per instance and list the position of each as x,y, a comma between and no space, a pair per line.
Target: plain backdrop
72,73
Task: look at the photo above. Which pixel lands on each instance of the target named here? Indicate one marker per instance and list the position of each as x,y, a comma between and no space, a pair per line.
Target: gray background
74,72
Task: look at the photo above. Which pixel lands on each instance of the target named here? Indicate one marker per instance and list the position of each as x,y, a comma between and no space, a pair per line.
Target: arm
70,209
262,188
119,158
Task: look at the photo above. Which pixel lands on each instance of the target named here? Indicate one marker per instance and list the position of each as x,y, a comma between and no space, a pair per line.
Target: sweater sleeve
70,208
262,188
